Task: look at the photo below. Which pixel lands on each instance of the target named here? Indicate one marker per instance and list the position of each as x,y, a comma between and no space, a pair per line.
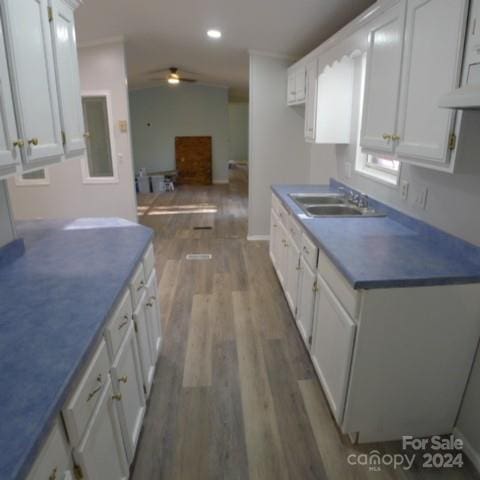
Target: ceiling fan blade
188,80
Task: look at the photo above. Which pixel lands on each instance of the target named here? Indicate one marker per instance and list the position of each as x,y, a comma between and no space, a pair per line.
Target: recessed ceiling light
213,33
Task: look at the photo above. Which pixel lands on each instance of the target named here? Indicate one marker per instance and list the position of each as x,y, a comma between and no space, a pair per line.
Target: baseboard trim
471,453
220,182
258,238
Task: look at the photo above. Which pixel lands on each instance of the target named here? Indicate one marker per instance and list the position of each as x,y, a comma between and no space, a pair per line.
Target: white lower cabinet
128,385
103,415
147,360
332,347
306,300
101,454
154,319
55,459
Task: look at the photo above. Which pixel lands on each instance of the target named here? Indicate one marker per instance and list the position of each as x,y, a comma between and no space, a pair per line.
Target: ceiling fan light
173,80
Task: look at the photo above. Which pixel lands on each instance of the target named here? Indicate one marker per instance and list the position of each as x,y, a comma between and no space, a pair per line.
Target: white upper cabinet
32,69
68,78
424,128
334,102
382,81
300,85
9,139
310,101
296,86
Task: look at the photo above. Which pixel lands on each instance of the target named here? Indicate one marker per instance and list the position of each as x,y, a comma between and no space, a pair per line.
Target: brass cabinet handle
142,284
123,379
117,397
18,143
149,304
387,136
86,135
123,324
33,141
315,287
93,393
53,475
305,249
395,138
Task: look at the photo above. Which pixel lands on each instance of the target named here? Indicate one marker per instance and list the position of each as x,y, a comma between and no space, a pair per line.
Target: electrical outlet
421,197
404,190
348,169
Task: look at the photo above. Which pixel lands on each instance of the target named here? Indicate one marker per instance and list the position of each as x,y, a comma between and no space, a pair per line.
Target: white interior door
10,155
434,39
306,301
128,382
332,347
382,81
66,63
33,78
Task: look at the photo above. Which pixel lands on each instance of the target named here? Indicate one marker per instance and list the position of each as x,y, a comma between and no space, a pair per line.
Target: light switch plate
421,196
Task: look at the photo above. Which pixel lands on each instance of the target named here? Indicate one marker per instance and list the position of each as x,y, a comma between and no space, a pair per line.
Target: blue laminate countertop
385,252
54,302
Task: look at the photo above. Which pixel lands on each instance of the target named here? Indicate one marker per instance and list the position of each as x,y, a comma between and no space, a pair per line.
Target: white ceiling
161,33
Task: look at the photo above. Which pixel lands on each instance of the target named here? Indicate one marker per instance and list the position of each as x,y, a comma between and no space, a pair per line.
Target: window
99,166
382,169
37,177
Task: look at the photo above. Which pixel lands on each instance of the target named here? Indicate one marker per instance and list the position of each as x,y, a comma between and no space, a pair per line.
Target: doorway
193,156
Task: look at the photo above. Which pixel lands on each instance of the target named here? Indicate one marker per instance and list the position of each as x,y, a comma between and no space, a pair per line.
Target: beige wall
278,152
102,67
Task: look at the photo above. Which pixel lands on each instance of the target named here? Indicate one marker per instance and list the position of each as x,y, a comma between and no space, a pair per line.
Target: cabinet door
33,79
306,301
293,268
54,459
128,383
9,154
101,453
143,341
300,84
311,101
281,256
273,237
68,77
332,347
434,39
291,91
154,316
382,81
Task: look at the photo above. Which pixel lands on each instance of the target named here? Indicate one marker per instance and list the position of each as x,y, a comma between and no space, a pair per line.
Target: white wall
238,131
7,232
102,67
278,152
183,110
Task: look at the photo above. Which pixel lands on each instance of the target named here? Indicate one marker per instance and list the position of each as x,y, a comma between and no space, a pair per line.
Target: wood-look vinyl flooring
235,395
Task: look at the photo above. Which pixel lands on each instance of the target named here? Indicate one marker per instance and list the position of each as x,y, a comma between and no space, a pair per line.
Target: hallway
235,395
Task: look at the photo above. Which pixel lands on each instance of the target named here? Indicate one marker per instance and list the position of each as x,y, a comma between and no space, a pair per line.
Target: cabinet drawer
309,251
295,231
137,285
149,261
348,297
82,404
118,325
54,459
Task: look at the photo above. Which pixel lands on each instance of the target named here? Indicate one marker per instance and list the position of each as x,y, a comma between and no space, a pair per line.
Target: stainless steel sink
319,199
340,211
332,205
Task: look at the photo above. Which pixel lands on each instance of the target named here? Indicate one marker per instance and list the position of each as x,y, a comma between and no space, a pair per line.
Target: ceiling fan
173,77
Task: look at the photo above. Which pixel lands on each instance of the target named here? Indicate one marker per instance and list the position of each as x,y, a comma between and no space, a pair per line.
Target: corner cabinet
405,78
41,107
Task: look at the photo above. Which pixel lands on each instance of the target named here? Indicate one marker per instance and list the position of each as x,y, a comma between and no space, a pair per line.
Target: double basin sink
332,205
